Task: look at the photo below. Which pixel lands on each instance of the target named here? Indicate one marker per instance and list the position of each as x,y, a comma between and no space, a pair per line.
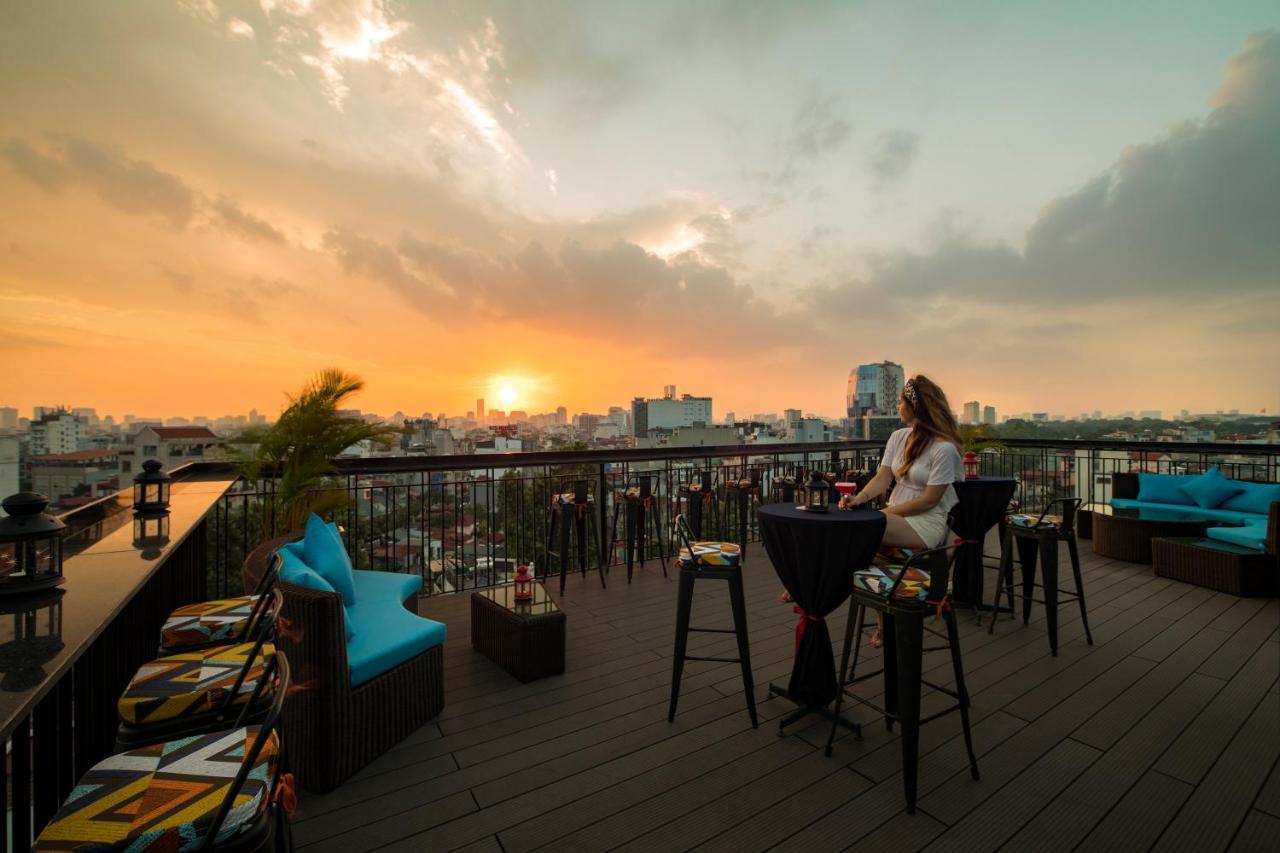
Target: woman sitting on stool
924,458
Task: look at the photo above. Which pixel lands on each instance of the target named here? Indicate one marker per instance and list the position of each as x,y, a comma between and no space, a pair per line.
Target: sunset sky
1044,206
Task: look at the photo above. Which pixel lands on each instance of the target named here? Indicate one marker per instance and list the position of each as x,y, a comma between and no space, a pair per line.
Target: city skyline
208,201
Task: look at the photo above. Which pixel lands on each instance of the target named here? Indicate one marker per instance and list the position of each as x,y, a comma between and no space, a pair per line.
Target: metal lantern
817,495
151,488
150,533
524,584
30,545
971,465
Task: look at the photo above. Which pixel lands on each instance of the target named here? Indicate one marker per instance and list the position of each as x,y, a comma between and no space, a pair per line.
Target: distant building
877,427
790,417
1039,417
1151,414
91,473
8,418
562,415
9,467
668,392
480,409
730,418
669,413
810,430
989,415
971,410
173,446
693,436
55,431
874,388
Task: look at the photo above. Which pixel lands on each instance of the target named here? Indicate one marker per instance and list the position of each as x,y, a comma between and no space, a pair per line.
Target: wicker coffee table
1216,565
524,638
1126,534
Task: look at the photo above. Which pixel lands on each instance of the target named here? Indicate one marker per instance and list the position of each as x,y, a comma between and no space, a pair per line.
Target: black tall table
983,502
815,555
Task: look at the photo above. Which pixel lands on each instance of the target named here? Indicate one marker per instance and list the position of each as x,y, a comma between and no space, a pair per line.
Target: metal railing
466,521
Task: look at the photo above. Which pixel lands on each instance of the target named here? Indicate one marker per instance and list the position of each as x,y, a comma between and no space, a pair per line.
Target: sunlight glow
507,394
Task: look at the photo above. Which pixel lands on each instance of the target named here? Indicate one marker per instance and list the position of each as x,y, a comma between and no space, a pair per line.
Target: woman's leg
897,534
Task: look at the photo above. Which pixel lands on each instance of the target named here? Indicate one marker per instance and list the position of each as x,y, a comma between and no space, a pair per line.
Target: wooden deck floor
1164,735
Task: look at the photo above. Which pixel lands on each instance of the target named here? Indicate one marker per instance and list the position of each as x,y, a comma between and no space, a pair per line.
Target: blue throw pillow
327,557
1210,489
1163,489
1253,497
294,571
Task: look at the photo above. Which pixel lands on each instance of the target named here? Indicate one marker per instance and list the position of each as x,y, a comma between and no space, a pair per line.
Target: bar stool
571,514
906,588
640,512
709,561
738,510
218,622
701,505
225,790
200,691
1042,534
782,489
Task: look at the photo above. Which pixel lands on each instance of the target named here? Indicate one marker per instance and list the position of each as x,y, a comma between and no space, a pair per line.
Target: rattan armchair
335,729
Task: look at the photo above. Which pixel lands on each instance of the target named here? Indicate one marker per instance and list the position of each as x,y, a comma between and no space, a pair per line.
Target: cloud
181,281
892,157
1188,217
229,216
816,129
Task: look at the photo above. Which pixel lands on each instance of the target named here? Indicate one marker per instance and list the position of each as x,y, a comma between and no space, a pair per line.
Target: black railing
466,521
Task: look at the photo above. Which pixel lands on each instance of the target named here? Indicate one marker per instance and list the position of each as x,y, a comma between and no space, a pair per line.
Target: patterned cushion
207,622
566,499
891,555
878,580
711,554
164,797
190,683
1021,519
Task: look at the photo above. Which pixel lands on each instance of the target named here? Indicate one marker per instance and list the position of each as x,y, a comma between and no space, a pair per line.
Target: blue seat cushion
1210,489
1164,489
387,635
294,571
1213,514
1253,537
326,555
1254,497
395,587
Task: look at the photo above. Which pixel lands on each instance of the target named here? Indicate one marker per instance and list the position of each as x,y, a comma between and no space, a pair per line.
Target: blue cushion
1164,489
387,636
1210,489
1254,497
294,571
394,587
327,556
1254,536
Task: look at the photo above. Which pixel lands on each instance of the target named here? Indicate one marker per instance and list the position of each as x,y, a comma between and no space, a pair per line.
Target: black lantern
30,545
151,488
150,533
817,495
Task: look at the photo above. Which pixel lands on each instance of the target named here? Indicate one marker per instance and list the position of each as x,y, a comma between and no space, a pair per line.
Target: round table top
790,512
981,480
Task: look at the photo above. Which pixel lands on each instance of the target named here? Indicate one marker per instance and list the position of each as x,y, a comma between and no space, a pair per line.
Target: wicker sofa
338,720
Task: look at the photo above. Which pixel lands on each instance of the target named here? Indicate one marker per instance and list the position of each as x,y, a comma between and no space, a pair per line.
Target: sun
507,394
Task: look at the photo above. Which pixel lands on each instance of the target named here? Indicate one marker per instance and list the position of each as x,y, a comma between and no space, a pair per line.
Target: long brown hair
934,421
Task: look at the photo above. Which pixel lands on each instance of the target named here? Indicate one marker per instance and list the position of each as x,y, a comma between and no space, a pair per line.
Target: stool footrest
713,660
713,630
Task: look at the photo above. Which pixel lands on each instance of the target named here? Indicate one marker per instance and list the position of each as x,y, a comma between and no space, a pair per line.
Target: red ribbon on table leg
967,542
803,622
285,795
941,607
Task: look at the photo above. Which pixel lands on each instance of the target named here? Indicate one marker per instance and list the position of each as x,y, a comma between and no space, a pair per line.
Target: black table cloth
982,503
815,555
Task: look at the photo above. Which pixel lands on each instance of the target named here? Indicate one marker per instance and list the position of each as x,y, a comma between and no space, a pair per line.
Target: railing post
603,509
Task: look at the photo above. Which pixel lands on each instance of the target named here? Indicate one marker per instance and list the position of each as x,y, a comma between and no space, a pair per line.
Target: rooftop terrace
1164,735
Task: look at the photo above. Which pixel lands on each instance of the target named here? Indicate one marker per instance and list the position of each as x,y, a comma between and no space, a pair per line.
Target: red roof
184,432
76,456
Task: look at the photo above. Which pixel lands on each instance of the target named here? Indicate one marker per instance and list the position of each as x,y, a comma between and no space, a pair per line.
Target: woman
924,458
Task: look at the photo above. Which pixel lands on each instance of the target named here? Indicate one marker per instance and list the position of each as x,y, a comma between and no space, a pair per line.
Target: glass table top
1190,515
505,596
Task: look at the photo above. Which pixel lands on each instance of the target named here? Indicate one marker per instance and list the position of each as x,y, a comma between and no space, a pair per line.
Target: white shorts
930,526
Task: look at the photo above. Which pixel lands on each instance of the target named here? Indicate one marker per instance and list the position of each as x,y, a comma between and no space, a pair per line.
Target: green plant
980,437
299,448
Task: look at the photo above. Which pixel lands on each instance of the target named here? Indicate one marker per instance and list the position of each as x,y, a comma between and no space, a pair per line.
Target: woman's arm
928,500
875,488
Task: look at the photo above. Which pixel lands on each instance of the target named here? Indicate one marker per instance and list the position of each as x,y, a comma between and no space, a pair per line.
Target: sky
1045,207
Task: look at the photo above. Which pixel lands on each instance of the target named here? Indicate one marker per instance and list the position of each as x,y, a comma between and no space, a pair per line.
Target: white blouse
938,465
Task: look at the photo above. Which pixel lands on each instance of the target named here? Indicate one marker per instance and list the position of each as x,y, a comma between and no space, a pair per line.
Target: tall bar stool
572,518
905,589
782,489
739,512
641,513
1041,535
709,561
701,506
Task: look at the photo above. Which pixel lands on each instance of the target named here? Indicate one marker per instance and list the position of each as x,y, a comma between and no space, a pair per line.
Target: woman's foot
784,597
877,639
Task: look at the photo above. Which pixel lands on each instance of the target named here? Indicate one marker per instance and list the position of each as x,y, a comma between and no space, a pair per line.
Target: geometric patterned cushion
708,554
1049,522
878,580
566,499
164,797
892,555
207,622
191,683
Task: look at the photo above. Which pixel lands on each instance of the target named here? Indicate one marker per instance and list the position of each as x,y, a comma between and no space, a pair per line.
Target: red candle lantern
971,465
524,584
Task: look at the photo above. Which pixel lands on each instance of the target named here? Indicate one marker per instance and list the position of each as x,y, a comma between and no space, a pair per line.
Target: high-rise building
730,418
668,392
562,415
790,417
8,418
480,409
57,431
874,388
989,415
971,410
669,413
